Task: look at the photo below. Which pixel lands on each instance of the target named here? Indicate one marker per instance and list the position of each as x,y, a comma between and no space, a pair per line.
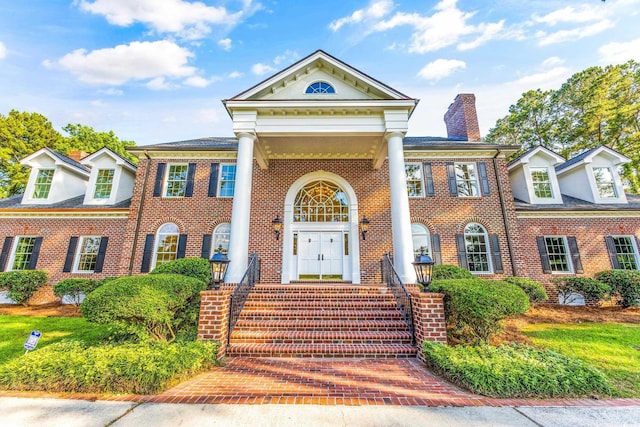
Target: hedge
593,290
22,284
625,283
198,268
446,271
475,307
534,290
75,288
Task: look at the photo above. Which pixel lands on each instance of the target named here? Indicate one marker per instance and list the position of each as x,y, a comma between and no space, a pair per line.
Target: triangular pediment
347,82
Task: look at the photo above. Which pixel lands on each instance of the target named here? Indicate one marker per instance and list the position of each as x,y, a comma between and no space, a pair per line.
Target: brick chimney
77,155
461,118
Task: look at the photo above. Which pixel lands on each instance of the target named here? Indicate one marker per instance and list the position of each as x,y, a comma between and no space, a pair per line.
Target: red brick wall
462,119
428,319
55,233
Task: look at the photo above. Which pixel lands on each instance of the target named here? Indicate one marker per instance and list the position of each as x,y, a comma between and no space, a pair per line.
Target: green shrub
625,283
71,366
192,267
22,284
593,290
75,288
475,308
534,290
515,370
154,306
446,271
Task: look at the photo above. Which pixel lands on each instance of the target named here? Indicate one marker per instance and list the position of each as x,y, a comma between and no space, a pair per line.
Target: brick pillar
462,119
213,322
428,319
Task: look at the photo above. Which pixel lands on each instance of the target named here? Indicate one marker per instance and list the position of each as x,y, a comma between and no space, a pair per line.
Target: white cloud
159,83
3,51
111,91
98,103
569,14
190,20
225,44
543,80
260,69
234,74
574,34
375,10
617,53
287,56
552,61
208,115
441,68
197,81
120,64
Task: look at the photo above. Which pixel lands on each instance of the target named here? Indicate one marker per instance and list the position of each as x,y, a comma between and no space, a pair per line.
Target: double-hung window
43,183
477,248
467,180
421,239
104,184
558,252
176,182
221,237
22,253
605,183
415,186
87,255
166,244
541,182
626,252
227,181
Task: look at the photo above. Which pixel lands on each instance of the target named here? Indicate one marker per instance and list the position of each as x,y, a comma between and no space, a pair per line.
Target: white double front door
320,255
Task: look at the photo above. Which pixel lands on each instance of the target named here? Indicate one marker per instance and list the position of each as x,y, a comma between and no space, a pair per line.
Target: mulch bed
46,310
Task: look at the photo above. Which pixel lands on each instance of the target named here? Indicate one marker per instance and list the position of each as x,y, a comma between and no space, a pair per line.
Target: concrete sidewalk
44,412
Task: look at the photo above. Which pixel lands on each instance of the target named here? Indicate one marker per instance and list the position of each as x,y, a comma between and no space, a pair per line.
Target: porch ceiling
355,146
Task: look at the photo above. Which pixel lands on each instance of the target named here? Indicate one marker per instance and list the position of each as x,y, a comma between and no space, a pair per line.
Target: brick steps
321,320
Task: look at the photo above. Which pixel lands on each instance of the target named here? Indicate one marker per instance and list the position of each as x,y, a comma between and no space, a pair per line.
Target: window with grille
227,180
421,239
541,183
221,237
176,184
477,248
43,183
22,253
320,87
166,244
87,254
626,252
558,252
604,183
104,184
321,201
414,179
467,180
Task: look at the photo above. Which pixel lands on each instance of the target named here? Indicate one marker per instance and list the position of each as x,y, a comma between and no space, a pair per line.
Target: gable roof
107,151
588,156
527,155
58,158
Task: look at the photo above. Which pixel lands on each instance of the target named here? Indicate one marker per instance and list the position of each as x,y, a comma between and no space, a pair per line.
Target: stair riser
405,341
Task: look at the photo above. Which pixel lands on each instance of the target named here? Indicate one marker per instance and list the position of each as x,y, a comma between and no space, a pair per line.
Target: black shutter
206,246
495,254
451,175
182,246
213,179
544,255
35,254
191,173
428,180
71,250
157,188
462,251
575,255
613,254
102,250
147,253
6,250
436,254
484,178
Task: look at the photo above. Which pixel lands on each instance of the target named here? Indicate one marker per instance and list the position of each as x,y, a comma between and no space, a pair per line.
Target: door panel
320,255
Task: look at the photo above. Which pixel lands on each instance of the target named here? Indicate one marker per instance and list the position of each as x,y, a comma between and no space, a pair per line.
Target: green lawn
614,348
14,331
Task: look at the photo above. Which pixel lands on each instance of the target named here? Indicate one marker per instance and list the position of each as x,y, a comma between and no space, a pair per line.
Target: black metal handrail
240,295
399,291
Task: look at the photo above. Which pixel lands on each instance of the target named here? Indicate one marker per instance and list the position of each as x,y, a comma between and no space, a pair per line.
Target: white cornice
171,153
40,213
578,214
470,153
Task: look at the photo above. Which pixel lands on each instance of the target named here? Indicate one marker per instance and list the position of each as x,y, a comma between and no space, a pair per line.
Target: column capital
393,134
250,135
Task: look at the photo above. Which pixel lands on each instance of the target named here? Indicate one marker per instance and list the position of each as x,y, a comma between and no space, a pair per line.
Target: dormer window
104,184
541,182
604,182
43,183
320,87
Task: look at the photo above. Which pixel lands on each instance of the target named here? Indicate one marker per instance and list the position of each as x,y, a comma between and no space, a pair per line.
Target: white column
240,215
400,217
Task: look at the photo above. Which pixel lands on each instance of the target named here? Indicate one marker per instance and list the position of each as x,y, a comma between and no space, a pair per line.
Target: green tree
85,138
597,106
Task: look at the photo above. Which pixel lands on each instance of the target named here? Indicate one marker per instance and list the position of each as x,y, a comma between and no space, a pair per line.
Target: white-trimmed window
104,183
415,184
605,183
166,244
320,87
227,181
467,180
626,252
87,254
176,180
22,252
477,248
43,182
221,237
421,239
559,255
541,182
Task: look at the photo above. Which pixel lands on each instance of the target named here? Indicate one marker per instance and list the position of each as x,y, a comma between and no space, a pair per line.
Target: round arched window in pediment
320,88
321,201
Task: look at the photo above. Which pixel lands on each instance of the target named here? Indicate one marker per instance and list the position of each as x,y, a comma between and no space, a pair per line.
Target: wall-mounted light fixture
277,226
424,268
218,263
364,227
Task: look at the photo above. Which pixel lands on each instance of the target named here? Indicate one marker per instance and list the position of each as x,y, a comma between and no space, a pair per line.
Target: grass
14,331
614,348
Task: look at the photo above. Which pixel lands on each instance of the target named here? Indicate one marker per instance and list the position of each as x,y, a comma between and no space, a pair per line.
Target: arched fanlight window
166,244
320,87
421,239
321,201
477,248
221,236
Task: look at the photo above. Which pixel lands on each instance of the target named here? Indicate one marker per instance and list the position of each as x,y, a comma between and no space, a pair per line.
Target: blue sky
156,70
